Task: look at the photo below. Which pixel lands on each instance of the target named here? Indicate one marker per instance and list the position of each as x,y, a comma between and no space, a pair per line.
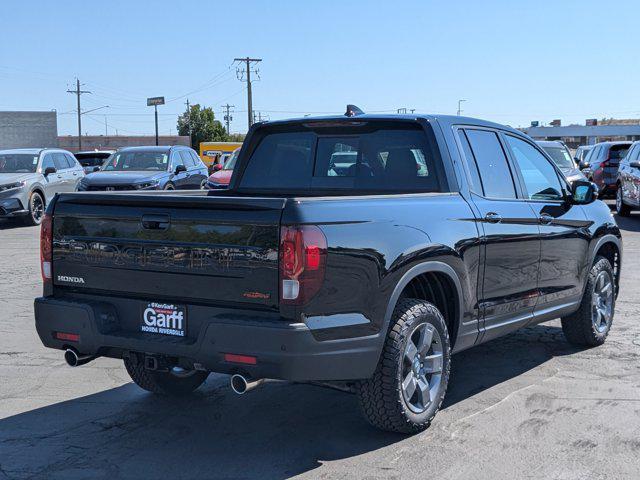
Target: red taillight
46,246
303,252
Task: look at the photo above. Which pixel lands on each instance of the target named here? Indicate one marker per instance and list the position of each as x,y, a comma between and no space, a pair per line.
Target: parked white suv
30,177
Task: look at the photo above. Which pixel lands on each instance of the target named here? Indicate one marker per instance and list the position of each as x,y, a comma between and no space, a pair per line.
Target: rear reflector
245,359
70,337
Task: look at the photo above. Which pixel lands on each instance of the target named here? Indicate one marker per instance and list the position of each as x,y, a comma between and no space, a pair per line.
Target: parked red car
222,177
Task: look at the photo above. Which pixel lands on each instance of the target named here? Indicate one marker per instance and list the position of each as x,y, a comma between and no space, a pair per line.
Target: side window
476,183
73,163
636,154
60,161
540,177
196,158
492,164
47,162
186,158
176,160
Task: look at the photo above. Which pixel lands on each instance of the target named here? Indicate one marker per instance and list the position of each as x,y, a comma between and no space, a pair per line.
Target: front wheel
411,378
36,210
621,208
590,324
176,381
169,186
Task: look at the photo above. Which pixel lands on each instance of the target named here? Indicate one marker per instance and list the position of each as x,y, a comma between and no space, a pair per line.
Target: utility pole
227,115
79,92
106,132
239,72
460,106
189,120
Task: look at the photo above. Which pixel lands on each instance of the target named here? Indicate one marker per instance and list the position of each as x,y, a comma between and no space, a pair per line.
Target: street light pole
156,114
460,106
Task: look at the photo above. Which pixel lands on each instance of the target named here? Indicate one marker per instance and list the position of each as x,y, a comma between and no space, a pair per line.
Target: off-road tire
578,327
163,383
381,398
621,208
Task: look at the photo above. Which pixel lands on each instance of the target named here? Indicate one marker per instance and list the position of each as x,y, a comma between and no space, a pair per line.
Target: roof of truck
444,120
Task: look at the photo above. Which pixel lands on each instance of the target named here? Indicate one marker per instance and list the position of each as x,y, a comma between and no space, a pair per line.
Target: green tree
204,126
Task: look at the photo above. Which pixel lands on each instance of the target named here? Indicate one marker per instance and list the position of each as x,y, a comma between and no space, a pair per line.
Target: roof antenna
353,111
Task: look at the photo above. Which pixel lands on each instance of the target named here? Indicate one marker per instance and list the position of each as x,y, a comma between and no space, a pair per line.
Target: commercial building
28,129
593,132
113,142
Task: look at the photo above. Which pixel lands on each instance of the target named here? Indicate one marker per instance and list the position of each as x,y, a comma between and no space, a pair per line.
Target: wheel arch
431,280
609,247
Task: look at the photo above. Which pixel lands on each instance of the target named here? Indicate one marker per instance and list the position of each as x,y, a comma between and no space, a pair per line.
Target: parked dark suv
366,270
148,168
601,165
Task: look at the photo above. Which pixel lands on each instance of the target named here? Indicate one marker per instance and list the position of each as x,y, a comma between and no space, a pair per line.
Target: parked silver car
29,179
628,181
561,156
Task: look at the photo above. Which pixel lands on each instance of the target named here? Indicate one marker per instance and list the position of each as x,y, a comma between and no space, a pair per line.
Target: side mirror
180,168
583,192
634,164
582,165
49,171
217,166
96,169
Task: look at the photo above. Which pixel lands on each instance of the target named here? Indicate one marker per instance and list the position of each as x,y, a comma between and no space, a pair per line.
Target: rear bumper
287,351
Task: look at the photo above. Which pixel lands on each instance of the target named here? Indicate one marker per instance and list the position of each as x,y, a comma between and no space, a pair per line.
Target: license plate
164,319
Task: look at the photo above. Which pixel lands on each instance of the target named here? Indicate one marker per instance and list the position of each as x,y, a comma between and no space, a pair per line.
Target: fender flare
413,272
608,238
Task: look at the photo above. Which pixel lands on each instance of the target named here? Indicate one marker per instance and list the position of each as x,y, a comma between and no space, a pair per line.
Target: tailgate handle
155,222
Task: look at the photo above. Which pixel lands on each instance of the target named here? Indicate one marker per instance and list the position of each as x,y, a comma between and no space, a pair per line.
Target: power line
240,72
79,92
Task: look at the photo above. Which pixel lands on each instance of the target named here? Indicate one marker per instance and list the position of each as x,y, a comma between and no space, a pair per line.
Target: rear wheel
590,325
36,209
621,208
176,381
411,378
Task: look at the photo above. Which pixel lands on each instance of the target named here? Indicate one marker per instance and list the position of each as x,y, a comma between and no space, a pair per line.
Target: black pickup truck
356,251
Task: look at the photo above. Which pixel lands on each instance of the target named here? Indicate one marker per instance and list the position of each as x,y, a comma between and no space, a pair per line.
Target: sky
512,61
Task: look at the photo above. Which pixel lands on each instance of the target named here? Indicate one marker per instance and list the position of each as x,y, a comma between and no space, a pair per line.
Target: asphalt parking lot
524,406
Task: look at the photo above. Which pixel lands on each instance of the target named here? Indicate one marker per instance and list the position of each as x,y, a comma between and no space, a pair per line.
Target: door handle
155,222
493,217
75,174
546,219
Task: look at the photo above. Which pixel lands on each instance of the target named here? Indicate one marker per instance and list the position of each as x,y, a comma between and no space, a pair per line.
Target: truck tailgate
181,247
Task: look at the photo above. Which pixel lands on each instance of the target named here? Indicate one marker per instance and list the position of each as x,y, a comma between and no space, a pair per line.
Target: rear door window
491,161
476,182
367,159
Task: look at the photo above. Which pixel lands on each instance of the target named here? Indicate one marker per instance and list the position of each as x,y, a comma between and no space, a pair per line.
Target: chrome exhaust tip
73,359
241,385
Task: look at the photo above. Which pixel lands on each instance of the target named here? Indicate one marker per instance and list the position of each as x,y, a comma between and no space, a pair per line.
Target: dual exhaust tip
239,383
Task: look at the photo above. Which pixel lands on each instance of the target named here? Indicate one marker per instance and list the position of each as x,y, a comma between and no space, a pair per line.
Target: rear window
618,152
91,160
368,159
